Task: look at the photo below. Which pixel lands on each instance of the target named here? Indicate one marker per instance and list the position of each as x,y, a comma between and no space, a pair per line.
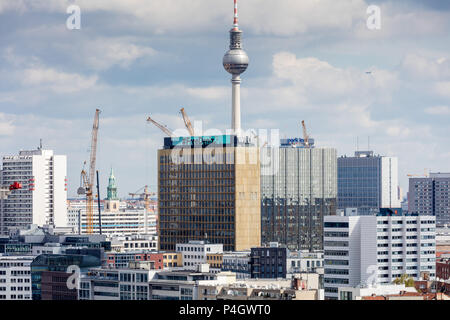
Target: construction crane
87,179
162,127
187,122
305,134
146,197
424,175
6,190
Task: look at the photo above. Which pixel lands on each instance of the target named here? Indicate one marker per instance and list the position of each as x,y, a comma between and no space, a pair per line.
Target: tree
404,279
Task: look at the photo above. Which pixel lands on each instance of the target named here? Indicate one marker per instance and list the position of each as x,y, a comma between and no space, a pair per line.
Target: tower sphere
235,61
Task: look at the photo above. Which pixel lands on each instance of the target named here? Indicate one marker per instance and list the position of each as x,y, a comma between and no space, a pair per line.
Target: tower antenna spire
236,16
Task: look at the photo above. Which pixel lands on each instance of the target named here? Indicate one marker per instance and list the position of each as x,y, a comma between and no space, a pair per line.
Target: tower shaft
236,104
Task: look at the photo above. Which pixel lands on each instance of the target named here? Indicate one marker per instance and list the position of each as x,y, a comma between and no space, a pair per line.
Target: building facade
298,188
431,196
370,250
368,182
268,262
195,253
42,199
15,277
209,189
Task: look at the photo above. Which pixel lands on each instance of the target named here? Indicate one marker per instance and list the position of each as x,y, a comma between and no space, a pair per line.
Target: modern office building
298,189
370,250
431,196
268,262
15,277
368,182
42,199
209,189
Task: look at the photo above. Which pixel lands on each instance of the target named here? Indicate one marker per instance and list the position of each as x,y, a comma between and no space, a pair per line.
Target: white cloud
104,53
424,68
438,110
443,88
209,93
7,127
57,81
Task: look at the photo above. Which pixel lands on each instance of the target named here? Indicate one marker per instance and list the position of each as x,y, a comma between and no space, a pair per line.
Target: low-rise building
196,253
358,293
238,263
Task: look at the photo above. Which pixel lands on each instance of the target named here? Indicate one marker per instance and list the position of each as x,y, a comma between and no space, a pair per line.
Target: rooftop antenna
40,144
357,143
368,143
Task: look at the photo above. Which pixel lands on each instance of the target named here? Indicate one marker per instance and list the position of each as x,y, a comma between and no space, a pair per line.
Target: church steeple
112,187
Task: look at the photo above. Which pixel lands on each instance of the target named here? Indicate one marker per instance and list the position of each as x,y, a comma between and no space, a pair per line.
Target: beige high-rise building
209,189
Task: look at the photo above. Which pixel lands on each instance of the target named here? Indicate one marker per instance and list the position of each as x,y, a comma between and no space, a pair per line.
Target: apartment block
370,250
42,199
431,196
15,277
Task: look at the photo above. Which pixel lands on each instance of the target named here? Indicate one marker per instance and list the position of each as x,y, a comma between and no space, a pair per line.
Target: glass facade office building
209,190
298,188
368,183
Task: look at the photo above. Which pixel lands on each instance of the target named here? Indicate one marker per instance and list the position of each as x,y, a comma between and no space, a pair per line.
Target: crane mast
187,122
163,128
305,134
87,179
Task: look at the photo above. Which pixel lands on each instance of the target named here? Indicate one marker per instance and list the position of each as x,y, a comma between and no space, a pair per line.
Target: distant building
49,274
268,262
237,262
195,253
298,189
368,182
431,196
42,199
370,250
358,293
209,189
123,260
123,284
15,277
118,218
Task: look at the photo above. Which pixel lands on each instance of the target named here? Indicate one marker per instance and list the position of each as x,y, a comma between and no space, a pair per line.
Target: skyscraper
430,196
297,191
368,182
209,189
43,198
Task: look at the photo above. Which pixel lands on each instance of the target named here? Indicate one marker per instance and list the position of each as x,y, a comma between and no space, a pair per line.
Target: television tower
235,62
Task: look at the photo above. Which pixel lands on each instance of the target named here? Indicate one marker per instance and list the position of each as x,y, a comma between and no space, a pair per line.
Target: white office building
369,250
123,221
195,252
42,199
15,277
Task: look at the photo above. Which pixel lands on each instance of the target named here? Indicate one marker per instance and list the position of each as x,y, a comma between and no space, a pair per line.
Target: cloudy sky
312,60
